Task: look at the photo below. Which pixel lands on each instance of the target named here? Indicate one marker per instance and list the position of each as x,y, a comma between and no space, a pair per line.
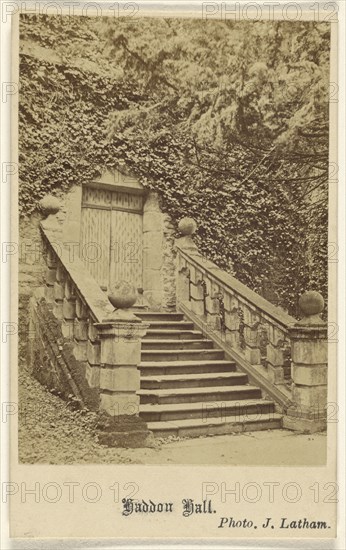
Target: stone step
148,316
202,427
204,410
189,389
149,368
195,395
172,325
176,344
193,380
173,334
181,355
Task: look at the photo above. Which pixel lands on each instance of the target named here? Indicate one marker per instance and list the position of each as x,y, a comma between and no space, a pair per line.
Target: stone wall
52,358
158,256
31,263
158,248
31,266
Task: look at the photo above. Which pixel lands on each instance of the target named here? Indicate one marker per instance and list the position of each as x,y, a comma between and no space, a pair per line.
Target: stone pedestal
188,288
309,353
119,382
123,431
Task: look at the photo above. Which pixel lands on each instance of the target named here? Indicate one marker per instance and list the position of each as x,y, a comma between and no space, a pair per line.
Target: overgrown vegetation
227,121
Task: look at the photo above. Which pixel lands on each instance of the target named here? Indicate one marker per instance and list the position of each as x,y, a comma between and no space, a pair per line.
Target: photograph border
336,299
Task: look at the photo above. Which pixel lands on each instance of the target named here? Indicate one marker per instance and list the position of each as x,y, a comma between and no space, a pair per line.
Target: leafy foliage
227,121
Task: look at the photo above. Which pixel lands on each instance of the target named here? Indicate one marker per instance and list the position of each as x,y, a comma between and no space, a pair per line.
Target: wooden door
126,239
111,236
95,233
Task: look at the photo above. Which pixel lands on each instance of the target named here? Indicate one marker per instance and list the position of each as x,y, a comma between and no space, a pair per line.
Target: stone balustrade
285,356
106,341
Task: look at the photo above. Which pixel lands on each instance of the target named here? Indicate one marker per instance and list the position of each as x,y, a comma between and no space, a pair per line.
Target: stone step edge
147,312
181,342
173,331
188,377
170,323
179,407
164,425
172,351
192,391
165,363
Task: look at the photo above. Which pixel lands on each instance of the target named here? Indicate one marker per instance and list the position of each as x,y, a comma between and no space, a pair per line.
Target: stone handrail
64,266
261,335
245,319
106,341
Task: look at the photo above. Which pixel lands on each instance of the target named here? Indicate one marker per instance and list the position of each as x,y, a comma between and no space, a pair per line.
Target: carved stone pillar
309,351
119,383
188,293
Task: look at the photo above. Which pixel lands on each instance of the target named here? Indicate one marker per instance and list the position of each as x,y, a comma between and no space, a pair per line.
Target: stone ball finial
311,303
122,295
49,205
187,226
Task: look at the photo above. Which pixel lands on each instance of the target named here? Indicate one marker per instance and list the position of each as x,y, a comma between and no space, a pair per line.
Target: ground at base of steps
49,433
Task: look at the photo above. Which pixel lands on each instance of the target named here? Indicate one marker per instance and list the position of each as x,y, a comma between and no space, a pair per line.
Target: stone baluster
232,320
68,309
251,335
197,294
183,286
59,292
213,306
92,372
309,353
275,354
80,330
50,278
196,291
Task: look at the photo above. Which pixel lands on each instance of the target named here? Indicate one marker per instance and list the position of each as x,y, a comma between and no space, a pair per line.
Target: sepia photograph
172,328
173,241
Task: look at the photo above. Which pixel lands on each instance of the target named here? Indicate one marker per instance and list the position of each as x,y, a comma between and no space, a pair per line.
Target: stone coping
114,179
108,186
236,287
89,290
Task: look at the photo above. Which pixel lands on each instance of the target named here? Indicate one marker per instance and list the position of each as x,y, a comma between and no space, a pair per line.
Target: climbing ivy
238,157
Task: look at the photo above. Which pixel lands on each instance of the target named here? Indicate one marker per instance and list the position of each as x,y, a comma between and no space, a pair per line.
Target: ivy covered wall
95,93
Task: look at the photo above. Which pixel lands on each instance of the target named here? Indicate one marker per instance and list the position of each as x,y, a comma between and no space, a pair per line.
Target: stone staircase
189,384
188,387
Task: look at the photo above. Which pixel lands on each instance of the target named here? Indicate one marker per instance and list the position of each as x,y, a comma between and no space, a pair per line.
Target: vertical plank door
126,239
96,233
